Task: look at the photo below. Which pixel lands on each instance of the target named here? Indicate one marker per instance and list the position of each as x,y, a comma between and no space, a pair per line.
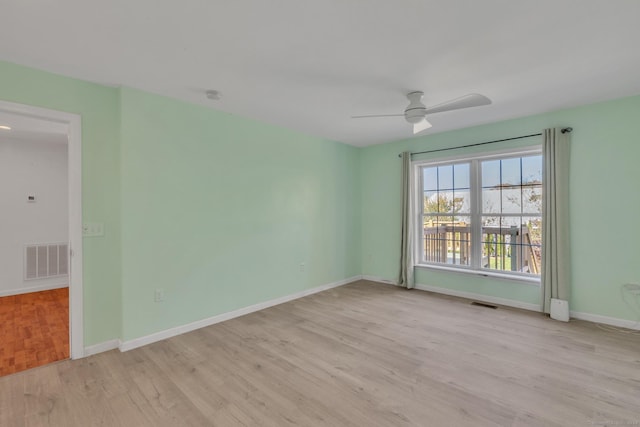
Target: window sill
533,281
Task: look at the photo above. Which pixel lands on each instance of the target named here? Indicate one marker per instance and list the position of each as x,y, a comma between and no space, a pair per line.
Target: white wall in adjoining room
37,167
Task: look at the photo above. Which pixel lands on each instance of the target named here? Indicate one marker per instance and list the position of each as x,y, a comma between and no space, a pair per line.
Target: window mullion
476,211
419,244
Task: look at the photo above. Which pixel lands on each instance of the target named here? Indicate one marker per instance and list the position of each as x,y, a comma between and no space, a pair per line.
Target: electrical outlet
158,295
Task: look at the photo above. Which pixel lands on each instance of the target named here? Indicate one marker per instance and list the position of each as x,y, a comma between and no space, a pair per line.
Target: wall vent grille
46,260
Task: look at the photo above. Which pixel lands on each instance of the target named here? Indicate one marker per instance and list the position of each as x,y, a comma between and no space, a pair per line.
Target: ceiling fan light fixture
420,126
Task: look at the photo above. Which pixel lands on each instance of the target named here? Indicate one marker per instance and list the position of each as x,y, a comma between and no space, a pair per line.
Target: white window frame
475,214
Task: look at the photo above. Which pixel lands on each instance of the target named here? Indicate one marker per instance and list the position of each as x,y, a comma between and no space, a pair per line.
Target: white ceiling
310,65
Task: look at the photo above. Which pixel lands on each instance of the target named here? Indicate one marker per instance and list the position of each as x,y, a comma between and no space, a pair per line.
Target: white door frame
74,150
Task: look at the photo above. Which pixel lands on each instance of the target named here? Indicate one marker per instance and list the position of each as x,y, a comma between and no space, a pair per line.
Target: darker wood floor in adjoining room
34,329
363,354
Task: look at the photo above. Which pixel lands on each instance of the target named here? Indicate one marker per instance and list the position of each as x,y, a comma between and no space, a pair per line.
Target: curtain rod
564,130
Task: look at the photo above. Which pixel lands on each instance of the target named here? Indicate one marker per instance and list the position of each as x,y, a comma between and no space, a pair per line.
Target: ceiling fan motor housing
416,111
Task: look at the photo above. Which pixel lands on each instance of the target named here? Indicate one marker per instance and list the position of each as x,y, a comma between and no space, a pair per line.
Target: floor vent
482,304
46,260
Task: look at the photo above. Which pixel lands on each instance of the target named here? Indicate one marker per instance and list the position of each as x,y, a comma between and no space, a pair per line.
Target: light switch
93,229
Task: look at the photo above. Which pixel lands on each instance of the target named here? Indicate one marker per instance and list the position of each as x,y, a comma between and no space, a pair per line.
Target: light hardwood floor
360,355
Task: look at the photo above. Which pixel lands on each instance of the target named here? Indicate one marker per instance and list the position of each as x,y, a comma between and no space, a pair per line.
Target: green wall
604,204
216,210
220,211
98,106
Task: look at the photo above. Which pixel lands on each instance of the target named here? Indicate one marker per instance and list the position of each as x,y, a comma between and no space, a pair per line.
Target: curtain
406,244
556,260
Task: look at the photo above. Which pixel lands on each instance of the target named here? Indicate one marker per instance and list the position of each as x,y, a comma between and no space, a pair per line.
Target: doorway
62,255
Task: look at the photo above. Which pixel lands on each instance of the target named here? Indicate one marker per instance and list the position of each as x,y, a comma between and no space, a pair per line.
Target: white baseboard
596,318
101,347
463,294
480,297
37,288
168,333
606,320
379,279
138,342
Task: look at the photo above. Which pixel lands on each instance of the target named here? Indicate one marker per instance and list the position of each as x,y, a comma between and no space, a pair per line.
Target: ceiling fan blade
420,126
377,115
471,100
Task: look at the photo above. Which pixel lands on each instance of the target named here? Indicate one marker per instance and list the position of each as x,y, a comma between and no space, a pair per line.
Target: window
482,214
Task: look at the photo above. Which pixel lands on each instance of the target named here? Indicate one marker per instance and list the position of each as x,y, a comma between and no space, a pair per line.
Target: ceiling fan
416,112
